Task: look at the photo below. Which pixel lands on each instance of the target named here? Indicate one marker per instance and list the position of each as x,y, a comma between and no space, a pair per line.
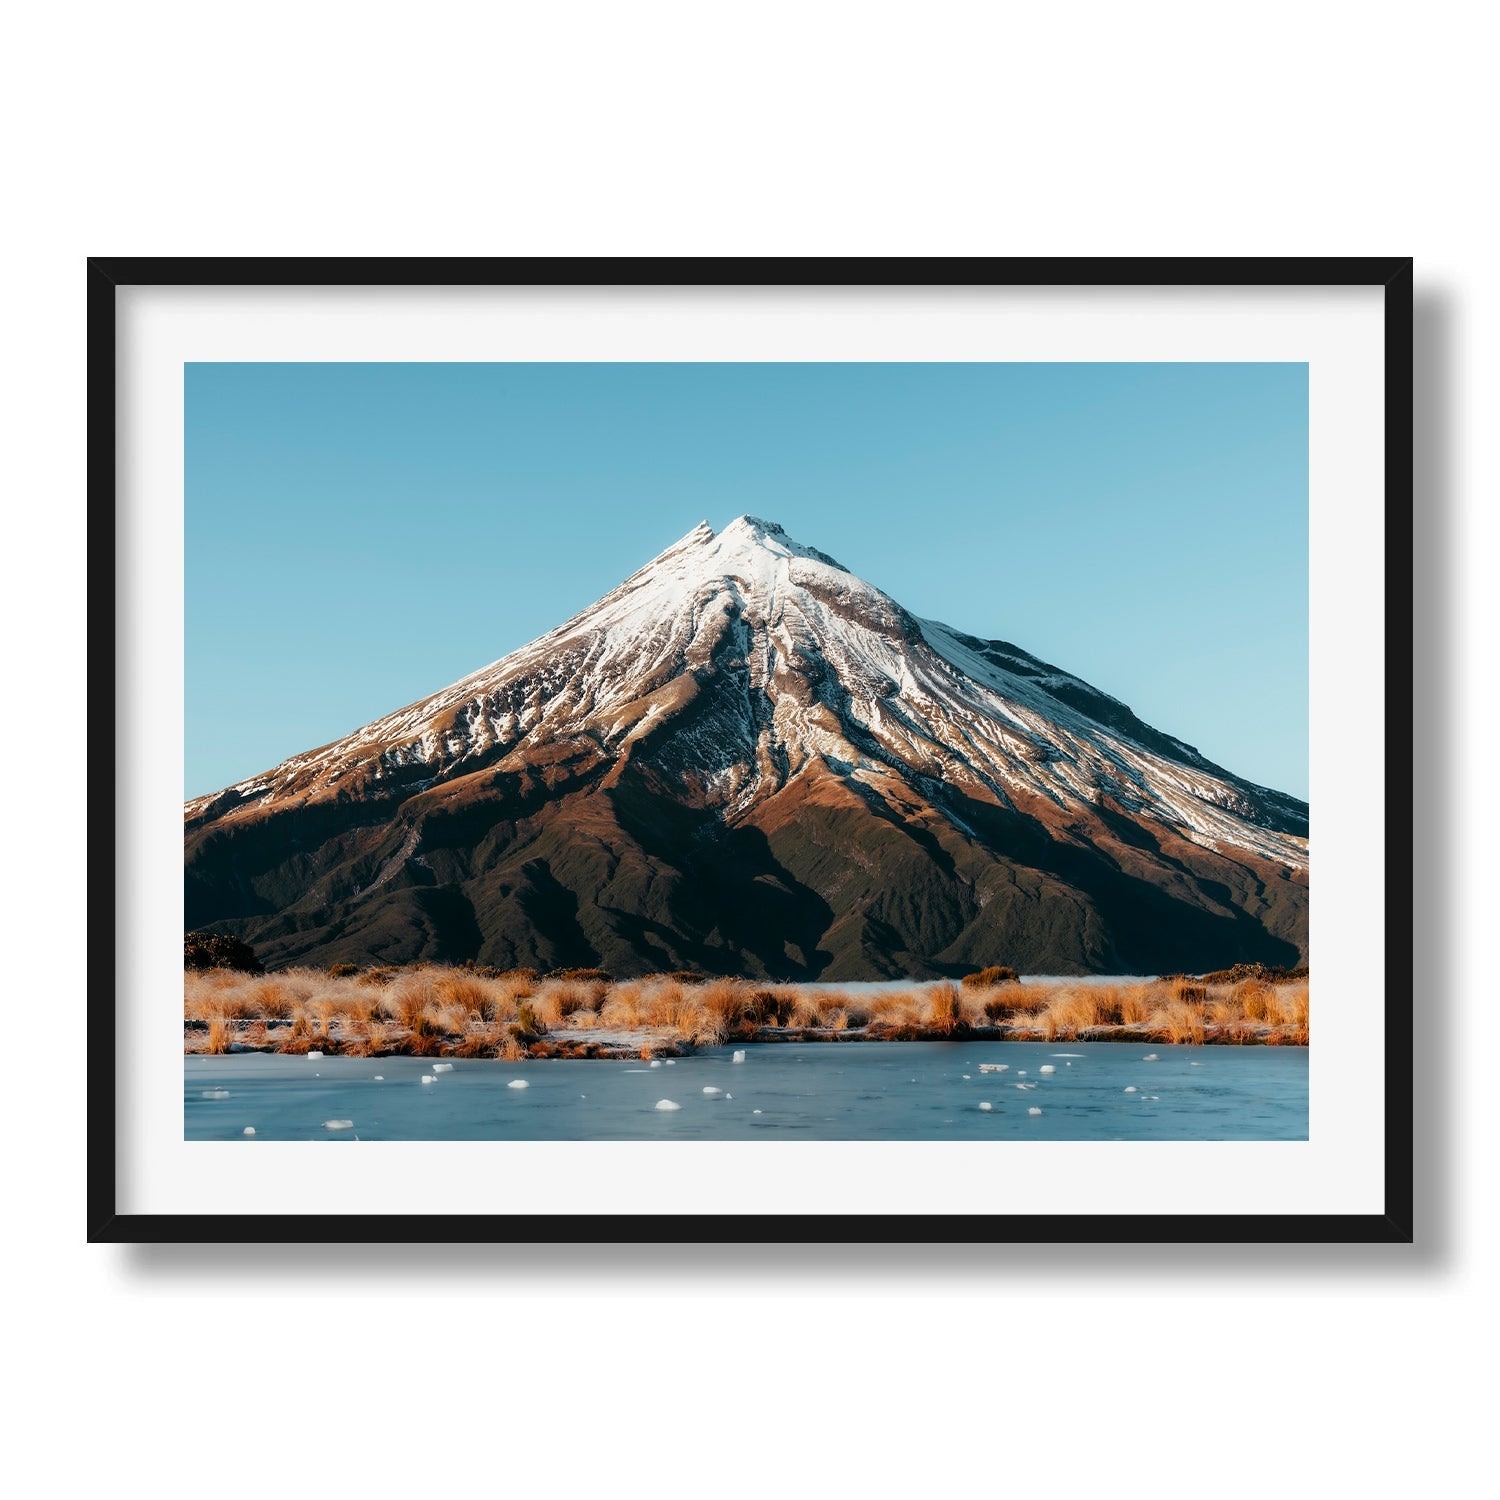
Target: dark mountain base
578,863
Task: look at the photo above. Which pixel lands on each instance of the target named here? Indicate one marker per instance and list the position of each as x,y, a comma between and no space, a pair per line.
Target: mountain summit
747,760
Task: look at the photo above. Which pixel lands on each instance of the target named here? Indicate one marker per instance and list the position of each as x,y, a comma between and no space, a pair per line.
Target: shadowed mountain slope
746,760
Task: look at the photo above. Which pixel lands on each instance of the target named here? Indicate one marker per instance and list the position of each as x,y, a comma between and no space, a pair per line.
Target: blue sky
360,535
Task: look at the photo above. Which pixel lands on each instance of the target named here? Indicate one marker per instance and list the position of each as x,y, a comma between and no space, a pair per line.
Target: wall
160,129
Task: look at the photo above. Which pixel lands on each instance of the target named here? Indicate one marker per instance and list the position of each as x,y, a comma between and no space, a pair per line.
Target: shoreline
606,1046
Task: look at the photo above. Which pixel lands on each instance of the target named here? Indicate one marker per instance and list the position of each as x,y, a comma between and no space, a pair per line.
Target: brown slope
828,879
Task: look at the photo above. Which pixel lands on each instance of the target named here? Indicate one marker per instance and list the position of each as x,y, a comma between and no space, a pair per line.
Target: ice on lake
814,1091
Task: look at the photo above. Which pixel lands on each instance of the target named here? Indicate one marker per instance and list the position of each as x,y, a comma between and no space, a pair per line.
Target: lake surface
904,1091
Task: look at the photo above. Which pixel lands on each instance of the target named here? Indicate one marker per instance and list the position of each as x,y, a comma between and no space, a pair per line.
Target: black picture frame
106,276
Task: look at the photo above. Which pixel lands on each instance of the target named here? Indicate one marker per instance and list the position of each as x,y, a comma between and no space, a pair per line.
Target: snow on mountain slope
743,660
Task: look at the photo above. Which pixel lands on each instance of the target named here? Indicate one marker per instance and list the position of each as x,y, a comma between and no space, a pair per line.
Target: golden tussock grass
622,1007
944,1009
1067,1013
1296,1002
986,978
1220,1011
1019,999
895,1008
1178,1021
460,989
483,1041
556,1000
429,1007
408,1000
1253,999
457,1019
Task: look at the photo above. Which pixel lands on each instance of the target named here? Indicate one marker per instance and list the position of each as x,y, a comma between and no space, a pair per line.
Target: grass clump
986,978
944,1009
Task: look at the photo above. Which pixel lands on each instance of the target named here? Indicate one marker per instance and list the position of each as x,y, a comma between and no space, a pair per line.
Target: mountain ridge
745,698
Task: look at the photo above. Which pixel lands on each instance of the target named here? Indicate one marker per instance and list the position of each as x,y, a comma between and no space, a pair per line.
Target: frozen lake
817,1091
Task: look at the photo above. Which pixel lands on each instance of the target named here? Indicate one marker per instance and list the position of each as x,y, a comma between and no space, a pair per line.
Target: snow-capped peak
740,660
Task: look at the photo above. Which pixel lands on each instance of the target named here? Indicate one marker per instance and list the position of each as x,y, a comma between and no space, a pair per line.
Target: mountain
746,760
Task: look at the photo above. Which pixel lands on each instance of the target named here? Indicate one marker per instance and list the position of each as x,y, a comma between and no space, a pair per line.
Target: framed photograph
722,750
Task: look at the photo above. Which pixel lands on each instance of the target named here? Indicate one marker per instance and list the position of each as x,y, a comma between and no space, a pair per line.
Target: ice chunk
986,1106
738,1057
667,1104
754,1111
1067,1054
338,1124
1035,1109
215,1093
518,1083
248,1130
1151,1057
378,1078
313,1056
966,1077
708,1088
1130,1088
654,1065
671,1062
1046,1068
442,1067
428,1078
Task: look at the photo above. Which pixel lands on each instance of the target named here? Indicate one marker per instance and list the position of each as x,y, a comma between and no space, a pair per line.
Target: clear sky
360,535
